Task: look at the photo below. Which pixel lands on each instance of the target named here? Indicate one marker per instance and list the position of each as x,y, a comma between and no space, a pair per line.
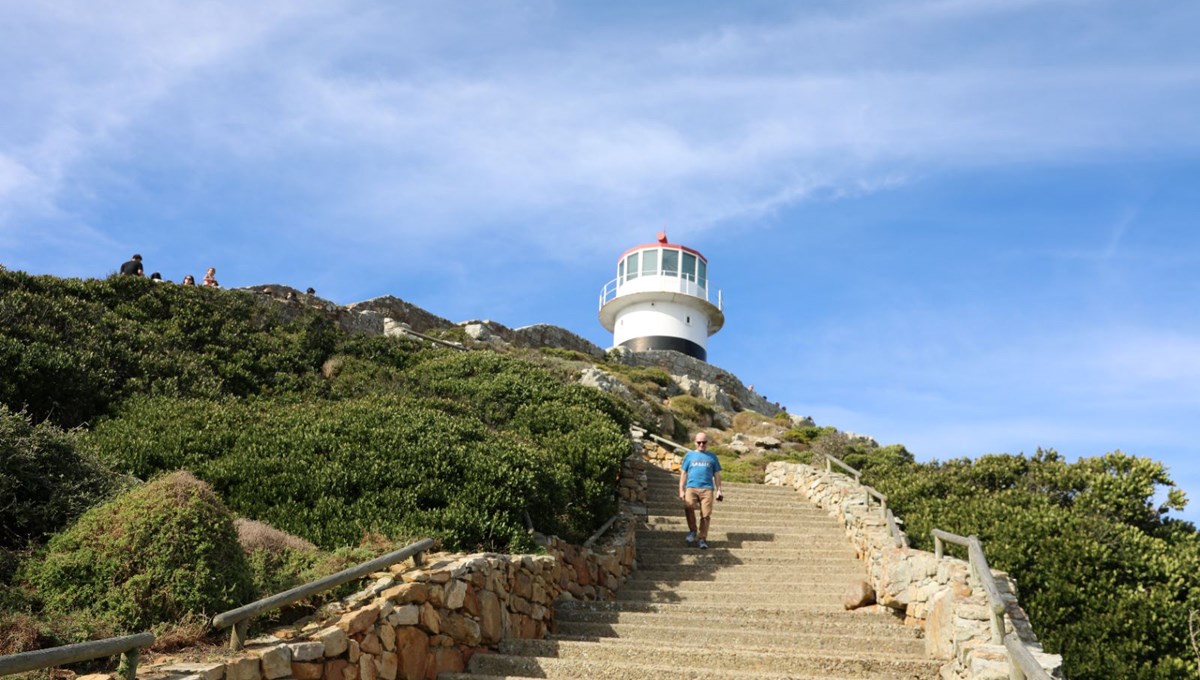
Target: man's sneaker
703,544
691,537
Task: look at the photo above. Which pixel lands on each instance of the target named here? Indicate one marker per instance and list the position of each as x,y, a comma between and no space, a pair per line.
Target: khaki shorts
705,497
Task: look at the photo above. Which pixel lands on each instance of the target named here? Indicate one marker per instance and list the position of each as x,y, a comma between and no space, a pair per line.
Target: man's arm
682,476
717,482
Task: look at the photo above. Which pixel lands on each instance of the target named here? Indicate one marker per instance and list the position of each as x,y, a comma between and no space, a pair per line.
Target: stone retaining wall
942,596
415,622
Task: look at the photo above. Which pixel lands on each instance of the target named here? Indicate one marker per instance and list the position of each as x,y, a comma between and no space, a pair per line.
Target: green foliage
44,480
806,435
479,439
70,350
567,354
1107,581
694,409
148,556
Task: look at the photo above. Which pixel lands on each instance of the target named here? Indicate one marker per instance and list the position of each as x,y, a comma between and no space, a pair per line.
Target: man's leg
689,509
706,508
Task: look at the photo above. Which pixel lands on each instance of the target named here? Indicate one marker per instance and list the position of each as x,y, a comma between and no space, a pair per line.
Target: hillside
338,427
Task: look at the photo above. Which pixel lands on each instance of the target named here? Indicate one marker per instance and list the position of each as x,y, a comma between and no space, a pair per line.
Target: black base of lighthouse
666,342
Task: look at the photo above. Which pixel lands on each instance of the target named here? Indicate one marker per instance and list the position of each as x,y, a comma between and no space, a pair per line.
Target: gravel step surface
726,659
830,637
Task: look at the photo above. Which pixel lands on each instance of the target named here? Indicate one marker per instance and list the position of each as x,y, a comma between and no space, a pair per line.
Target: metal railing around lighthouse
659,284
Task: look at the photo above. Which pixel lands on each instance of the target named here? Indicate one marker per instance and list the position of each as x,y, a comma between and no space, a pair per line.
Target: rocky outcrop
400,311
702,379
535,336
943,597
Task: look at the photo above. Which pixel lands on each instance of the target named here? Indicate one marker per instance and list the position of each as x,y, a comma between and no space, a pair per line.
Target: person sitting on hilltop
189,280
133,267
156,277
210,278
310,292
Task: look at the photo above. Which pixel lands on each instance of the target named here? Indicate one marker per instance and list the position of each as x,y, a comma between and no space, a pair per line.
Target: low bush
149,556
696,410
45,482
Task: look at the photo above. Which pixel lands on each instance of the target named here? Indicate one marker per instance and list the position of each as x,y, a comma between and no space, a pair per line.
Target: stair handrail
832,460
1021,660
600,532
128,646
437,341
239,618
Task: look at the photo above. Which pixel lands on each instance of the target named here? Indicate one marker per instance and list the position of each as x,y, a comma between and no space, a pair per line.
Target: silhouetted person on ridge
133,267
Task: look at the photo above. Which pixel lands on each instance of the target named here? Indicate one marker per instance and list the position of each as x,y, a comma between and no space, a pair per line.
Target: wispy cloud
601,134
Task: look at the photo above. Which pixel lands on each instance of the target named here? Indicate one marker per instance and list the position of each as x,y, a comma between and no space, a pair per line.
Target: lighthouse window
621,271
649,262
689,266
702,273
670,262
632,269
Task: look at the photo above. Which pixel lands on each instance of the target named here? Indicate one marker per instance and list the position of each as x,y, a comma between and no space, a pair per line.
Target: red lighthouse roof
662,243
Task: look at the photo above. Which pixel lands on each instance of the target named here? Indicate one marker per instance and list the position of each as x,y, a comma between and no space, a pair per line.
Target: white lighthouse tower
662,299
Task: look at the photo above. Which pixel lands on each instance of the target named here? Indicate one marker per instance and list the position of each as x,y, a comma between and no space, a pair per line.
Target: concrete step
667,524
575,669
797,551
814,598
722,558
692,575
726,611
647,587
526,655
868,621
724,637
649,534
896,639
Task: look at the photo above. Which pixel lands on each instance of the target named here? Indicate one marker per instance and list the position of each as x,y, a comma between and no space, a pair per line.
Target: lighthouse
662,299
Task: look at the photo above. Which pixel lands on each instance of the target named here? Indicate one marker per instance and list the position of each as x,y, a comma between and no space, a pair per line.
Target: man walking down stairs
764,601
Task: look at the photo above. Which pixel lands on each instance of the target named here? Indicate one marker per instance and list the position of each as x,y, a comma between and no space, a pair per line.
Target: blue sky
965,226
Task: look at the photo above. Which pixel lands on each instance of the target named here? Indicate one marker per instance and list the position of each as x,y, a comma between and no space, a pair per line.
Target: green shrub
71,350
696,410
806,435
44,480
1106,580
149,556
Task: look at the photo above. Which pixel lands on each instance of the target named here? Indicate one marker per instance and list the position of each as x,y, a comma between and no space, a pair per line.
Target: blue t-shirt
700,467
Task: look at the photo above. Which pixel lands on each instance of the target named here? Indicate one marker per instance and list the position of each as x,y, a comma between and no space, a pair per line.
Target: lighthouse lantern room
661,299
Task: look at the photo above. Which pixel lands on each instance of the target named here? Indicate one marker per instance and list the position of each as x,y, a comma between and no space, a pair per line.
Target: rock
276,662
387,665
307,651
371,644
359,620
334,640
406,593
455,594
858,594
408,615
769,443
444,660
248,668
430,620
335,669
204,671
307,670
412,646
491,622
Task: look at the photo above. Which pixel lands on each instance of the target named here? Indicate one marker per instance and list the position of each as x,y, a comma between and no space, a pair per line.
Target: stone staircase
763,602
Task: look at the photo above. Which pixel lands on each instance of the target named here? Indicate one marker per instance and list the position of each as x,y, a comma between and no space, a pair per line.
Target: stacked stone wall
414,621
943,597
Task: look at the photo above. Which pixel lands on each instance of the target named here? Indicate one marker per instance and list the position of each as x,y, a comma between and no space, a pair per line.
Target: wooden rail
1021,660
128,646
422,336
239,618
